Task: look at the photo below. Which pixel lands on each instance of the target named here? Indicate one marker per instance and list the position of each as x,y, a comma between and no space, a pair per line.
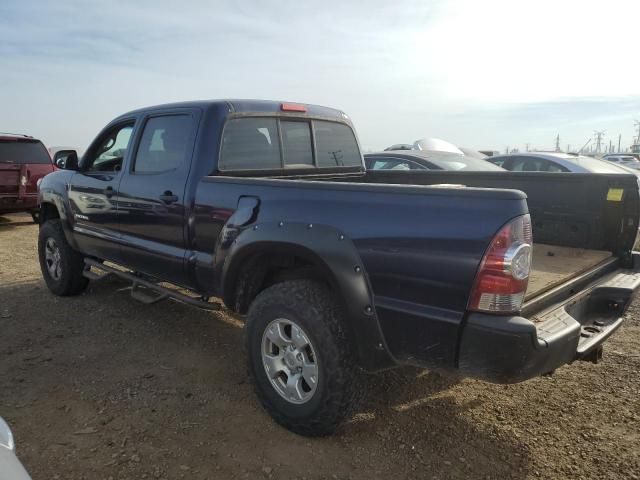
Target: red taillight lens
293,107
501,281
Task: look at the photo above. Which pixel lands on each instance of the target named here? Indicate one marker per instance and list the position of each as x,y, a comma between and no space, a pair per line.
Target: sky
482,74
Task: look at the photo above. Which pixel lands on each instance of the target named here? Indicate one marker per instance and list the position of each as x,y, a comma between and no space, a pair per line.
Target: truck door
93,193
151,201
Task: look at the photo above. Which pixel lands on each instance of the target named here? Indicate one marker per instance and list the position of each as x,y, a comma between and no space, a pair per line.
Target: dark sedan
416,160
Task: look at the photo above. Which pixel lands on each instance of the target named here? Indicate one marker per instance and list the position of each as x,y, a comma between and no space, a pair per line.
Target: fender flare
52,197
333,253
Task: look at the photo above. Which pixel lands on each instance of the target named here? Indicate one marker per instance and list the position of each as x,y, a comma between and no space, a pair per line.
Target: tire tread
73,282
341,396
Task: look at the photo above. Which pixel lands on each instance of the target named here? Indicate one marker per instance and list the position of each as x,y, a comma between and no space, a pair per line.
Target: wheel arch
256,263
48,211
264,254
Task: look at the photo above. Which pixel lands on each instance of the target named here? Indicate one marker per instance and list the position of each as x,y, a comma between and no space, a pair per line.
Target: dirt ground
102,387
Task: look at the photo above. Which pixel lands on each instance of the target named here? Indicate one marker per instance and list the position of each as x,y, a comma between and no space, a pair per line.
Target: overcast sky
484,74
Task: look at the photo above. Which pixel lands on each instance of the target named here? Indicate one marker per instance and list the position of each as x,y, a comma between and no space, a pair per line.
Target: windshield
23,152
461,162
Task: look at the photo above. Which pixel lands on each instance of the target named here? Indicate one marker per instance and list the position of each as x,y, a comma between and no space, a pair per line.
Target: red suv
23,161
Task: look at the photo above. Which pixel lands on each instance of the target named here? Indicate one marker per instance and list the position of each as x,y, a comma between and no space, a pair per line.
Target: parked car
416,160
266,207
10,466
629,161
24,160
399,146
435,145
554,162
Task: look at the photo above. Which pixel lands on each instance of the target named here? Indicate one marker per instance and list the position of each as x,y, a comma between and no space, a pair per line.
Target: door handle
108,192
168,197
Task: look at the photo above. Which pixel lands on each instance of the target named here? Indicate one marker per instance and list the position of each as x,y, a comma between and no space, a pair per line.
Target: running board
147,297
154,292
87,273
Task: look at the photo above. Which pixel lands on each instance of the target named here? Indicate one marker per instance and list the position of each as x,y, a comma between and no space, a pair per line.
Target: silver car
555,162
629,161
10,466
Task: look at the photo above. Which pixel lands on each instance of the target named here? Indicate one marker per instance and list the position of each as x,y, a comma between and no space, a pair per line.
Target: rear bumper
513,349
12,203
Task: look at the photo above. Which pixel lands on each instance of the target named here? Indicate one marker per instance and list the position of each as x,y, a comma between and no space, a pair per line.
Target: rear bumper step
513,349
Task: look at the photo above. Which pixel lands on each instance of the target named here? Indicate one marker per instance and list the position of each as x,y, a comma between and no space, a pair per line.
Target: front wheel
300,359
60,264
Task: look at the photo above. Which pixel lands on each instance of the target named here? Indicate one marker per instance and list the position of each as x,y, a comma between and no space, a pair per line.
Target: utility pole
599,134
558,143
619,141
585,145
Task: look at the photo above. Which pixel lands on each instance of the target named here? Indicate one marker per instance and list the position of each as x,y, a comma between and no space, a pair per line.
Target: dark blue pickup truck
266,207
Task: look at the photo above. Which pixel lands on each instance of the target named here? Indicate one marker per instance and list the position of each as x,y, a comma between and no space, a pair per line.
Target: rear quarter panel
420,246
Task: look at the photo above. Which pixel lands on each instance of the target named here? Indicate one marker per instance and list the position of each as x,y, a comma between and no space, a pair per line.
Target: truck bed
553,265
566,210
577,222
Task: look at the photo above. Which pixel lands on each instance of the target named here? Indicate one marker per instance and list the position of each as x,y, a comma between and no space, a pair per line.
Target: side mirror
66,159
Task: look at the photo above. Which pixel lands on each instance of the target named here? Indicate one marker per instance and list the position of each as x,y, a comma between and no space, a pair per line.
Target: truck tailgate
9,179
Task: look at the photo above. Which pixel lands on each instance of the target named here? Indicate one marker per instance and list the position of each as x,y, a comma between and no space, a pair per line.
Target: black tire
70,280
311,306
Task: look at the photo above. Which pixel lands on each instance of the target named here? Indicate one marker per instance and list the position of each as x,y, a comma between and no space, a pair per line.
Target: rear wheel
60,264
299,357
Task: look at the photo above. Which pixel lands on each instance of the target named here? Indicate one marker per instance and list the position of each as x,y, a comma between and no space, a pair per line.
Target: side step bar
154,292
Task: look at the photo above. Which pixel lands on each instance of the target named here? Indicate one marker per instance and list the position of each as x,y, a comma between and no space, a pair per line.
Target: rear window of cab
269,143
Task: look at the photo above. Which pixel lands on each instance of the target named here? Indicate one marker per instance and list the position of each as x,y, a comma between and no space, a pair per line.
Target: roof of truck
249,106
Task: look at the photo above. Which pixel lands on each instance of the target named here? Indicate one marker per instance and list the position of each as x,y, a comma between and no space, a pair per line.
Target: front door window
108,155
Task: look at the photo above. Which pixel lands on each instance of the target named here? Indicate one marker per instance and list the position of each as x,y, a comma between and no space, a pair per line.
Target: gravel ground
102,387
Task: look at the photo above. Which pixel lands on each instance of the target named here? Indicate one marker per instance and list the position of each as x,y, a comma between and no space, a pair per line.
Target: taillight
501,281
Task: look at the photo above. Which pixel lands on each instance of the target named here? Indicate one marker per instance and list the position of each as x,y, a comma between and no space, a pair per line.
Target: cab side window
110,151
163,144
